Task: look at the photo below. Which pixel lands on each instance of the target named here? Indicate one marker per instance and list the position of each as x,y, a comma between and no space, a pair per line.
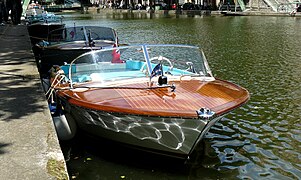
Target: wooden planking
189,96
185,98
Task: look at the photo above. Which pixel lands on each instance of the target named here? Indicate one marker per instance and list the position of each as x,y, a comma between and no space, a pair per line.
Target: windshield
140,62
82,33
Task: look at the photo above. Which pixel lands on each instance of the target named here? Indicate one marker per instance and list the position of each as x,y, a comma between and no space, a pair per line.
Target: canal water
260,140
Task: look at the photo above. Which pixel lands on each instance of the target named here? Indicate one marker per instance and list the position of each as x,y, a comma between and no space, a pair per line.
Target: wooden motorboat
160,98
65,44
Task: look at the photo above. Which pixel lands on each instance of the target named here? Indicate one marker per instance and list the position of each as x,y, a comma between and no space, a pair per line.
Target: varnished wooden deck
189,96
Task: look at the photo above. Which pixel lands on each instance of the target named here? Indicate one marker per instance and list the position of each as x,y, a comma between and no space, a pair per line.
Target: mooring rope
54,84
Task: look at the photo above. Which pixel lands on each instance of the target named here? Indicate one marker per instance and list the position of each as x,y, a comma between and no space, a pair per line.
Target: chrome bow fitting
205,113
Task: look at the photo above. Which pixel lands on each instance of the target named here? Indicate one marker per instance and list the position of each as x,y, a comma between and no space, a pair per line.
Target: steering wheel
159,58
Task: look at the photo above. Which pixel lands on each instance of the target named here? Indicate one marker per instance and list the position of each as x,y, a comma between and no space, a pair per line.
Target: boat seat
102,66
104,71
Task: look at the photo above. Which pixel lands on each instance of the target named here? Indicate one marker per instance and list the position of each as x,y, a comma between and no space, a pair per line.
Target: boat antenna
86,37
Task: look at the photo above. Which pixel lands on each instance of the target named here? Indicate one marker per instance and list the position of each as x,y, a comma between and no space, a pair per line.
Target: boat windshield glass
140,61
82,33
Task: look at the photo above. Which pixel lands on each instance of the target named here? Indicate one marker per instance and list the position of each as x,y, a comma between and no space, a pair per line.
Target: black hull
46,58
40,31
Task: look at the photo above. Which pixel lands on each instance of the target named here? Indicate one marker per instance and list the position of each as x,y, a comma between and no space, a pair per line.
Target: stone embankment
29,147
97,10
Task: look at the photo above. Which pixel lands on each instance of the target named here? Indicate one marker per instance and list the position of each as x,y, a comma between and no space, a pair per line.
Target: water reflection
257,141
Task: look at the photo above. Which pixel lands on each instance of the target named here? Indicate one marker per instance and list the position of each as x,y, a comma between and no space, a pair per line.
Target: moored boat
160,98
39,31
65,44
41,22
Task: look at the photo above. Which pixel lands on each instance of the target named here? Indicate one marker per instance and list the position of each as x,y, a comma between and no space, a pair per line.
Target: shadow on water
109,160
91,158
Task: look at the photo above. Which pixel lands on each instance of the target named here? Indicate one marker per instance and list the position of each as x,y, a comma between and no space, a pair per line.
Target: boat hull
65,44
110,94
40,31
46,58
64,53
175,137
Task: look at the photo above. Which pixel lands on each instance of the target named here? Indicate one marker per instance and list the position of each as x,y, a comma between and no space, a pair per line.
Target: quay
96,10
29,147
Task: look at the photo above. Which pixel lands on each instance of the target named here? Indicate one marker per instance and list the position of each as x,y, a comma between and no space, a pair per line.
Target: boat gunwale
220,110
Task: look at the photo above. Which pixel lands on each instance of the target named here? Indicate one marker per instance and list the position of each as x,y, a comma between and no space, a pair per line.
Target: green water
260,140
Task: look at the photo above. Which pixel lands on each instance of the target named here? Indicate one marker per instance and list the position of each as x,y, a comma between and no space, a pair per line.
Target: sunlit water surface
260,140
